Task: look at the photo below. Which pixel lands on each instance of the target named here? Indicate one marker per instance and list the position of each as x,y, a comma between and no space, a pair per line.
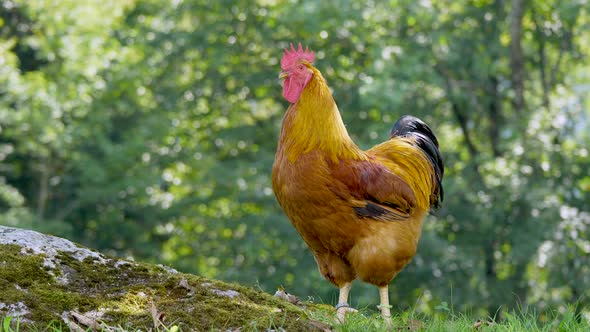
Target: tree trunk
516,56
495,116
43,193
491,279
542,60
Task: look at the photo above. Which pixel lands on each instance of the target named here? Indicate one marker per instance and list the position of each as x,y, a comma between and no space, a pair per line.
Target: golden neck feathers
314,122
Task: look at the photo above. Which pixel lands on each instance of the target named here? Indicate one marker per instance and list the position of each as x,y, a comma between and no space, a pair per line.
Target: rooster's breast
322,218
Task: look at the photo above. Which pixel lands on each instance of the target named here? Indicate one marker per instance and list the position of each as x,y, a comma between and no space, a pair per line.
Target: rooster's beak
283,75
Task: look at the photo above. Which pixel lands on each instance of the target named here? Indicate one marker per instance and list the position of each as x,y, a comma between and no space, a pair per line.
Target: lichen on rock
14,309
47,279
50,246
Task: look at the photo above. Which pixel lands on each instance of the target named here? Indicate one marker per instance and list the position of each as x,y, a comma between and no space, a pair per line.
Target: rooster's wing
372,190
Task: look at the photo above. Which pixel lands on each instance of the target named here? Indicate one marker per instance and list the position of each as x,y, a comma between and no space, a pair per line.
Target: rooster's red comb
291,56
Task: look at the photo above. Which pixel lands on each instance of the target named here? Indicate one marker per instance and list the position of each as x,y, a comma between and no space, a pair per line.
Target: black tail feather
410,126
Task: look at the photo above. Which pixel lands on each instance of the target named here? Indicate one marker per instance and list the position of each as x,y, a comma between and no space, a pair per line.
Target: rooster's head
296,70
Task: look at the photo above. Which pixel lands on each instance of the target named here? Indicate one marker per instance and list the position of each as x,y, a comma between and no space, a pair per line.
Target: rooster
360,212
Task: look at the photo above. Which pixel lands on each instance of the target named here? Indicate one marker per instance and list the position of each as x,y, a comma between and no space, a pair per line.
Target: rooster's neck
314,123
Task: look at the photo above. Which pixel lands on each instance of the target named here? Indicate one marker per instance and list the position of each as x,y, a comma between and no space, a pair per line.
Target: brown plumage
360,212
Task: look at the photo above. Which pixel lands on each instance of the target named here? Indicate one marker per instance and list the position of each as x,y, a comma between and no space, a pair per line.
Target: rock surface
46,279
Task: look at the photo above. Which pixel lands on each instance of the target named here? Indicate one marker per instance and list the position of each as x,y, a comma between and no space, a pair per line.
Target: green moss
125,293
19,269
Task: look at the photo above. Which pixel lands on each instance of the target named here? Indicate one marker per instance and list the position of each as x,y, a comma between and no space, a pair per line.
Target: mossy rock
48,280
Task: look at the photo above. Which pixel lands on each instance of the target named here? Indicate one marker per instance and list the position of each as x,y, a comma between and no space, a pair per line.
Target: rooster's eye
300,67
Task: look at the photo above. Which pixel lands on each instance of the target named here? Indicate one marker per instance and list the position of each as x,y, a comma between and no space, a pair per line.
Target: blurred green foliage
147,129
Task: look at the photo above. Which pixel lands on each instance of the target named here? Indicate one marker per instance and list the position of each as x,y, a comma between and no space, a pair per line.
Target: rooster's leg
384,306
343,307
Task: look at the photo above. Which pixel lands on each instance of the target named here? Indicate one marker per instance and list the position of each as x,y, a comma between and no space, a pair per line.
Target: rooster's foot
341,310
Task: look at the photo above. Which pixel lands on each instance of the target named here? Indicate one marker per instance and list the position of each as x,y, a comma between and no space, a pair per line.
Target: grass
10,324
521,320
367,320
